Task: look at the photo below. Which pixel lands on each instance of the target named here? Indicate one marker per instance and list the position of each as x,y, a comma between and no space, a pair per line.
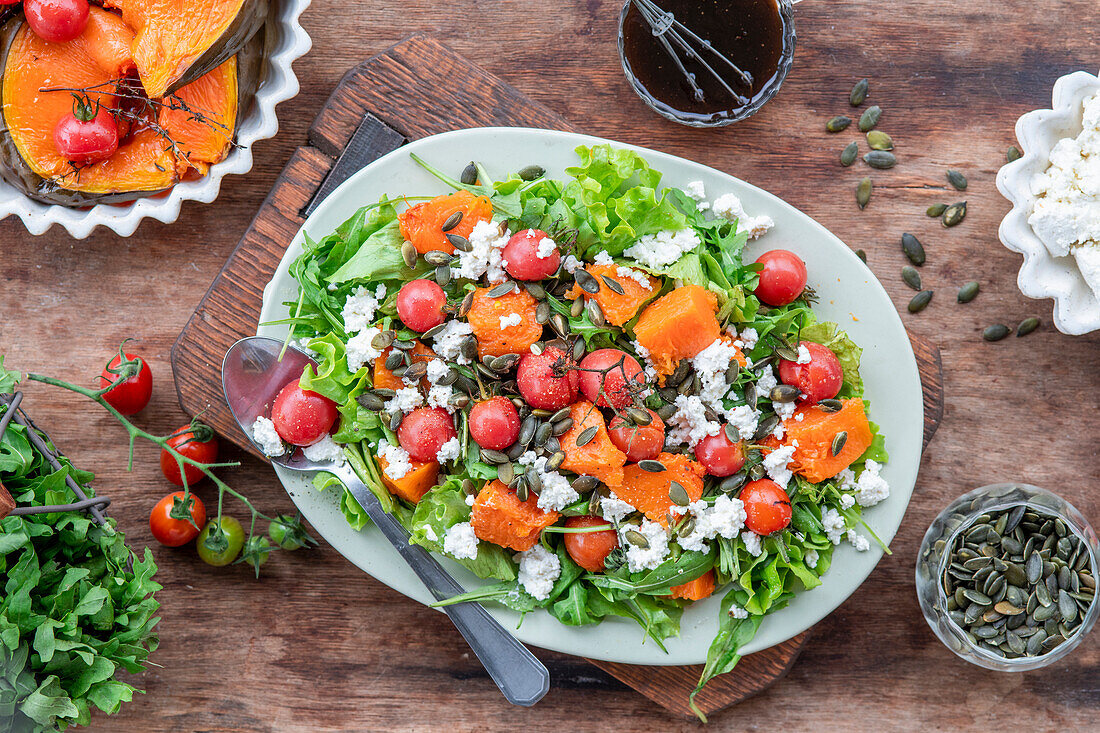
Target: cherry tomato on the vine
86,135
621,376
494,423
287,532
719,456
302,417
638,442
546,381
420,304
424,431
132,394
174,531
767,506
226,536
819,379
783,278
196,442
255,552
522,255
56,21
589,549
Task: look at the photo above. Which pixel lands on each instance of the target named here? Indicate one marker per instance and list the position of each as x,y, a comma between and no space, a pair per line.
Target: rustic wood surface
316,646
376,89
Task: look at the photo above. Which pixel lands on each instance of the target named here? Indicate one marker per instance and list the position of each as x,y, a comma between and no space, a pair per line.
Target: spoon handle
516,671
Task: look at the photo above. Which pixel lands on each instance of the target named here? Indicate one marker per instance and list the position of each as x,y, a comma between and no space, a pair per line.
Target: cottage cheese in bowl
1066,212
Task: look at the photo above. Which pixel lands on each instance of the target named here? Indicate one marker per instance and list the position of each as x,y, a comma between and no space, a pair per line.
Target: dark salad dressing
748,32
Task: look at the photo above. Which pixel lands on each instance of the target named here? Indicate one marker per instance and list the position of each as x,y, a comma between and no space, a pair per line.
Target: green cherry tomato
255,552
287,532
221,541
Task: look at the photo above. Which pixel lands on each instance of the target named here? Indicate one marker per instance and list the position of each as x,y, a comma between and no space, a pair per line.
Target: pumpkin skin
125,176
169,57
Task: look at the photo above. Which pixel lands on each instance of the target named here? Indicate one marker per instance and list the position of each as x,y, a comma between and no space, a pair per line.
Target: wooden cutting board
415,89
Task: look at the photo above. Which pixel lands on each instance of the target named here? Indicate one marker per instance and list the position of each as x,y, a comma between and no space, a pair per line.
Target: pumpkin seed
506,472
732,483
416,371
595,314
585,483
586,436
879,140
469,174
542,313
863,193
849,154
370,402
537,291
493,456
542,434
501,290
409,254
559,324
452,221
912,249
786,352
577,308
466,305
687,527
784,393
383,340
636,538
395,421
384,393
459,242
665,412
920,301
1066,606
766,428
954,214
638,416
1027,326
969,291
679,496
651,466
531,173
523,493
1007,609
996,332
443,275
956,179
586,282
838,442
880,159
394,360
911,277
578,349
830,405
756,472
936,210
859,93
838,123
468,347
553,463
1013,154
860,253
869,118
437,257
613,284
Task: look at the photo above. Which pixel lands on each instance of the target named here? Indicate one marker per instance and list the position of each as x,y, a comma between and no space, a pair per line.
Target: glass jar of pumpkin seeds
1006,577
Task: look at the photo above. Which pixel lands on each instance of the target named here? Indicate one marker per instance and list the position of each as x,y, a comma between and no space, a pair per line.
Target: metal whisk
676,38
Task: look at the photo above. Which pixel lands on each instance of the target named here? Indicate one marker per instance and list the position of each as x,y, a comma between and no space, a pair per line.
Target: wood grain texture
223,315
316,646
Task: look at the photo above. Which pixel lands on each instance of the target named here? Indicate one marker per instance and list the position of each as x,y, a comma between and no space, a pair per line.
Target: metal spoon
252,375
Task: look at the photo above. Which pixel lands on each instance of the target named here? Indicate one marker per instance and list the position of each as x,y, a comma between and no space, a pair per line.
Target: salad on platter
577,389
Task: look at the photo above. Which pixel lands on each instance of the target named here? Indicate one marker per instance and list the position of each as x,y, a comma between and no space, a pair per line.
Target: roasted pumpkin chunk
814,432
503,325
647,491
498,516
422,224
598,456
618,308
385,379
412,486
678,326
694,590
202,119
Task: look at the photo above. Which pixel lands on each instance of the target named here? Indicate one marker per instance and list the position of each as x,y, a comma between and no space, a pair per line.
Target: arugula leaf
733,633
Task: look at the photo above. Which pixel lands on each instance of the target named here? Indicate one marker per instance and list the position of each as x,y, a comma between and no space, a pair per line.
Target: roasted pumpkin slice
202,118
178,41
31,163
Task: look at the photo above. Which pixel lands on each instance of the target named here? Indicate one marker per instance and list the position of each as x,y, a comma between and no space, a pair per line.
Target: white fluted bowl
1076,307
289,43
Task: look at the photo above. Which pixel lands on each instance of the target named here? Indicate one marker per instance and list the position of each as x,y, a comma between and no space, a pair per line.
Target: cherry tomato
589,549
639,442
173,532
767,506
302,417
255,552
131,395
86,135
619,383
56,21
424,431
287,532
197,443
783,278
820,379
719,456
545,381
420,304
494,423
522,256
228,540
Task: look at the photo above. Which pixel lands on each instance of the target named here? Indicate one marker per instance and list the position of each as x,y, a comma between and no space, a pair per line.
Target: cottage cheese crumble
360,351
645,558
263,432
325,450
359,308
663,248
486,253
449,451
449,340
538,569
512,319
729,207
460,541
398,463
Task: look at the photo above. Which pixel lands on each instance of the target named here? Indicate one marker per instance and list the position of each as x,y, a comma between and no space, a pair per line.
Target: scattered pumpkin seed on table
863,192
969,291
936,210
956,179
996,332
1013,154
469,174
838,123
920,301
880,159
913,249
954,214
911,277
869,118
858,94
849,154
879,140
1027,326
861,255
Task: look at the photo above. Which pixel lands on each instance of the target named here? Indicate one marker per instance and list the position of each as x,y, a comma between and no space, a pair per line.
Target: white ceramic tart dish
287,41
849,294
1042,275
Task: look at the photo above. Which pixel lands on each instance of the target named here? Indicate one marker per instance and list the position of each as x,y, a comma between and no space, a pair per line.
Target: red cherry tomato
589,549
132,395
56,21
619,383
767,506
494,423
173,532
543,386
86,136
424,431
420,304
302,417
639,442
719,456
198,444
783,278
820,379
522,255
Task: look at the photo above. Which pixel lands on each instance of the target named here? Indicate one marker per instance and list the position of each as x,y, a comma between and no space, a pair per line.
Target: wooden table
317,646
